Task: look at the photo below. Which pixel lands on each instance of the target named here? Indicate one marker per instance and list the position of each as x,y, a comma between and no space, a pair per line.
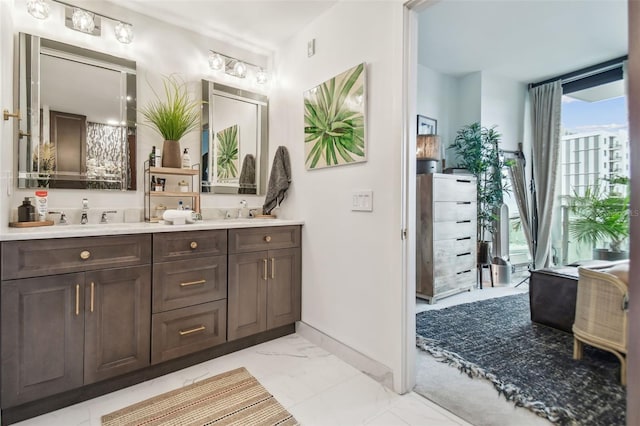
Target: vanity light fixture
38,9
236,67
80,19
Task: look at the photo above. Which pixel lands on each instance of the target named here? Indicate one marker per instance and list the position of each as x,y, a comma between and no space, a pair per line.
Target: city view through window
593,175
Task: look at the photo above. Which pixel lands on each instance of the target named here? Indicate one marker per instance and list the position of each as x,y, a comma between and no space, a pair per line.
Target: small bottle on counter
186,159
26,212
152,157
153,183
180,205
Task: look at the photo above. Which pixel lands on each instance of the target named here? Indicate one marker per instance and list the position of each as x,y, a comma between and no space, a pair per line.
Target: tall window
594,155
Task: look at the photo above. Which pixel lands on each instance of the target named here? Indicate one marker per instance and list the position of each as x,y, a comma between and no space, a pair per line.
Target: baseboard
372,368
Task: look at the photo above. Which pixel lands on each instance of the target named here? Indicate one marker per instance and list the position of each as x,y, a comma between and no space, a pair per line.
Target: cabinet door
283,290
117,322
42,337
247,294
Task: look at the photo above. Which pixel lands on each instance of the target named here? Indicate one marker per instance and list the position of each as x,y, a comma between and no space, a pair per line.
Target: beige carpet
231,398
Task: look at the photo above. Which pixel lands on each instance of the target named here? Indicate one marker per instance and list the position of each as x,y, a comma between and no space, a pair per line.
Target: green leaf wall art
227,154
334,120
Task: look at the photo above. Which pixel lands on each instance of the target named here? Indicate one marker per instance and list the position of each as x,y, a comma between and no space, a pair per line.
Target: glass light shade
38,9
216,61
261,76
428,147
240,69
83,20
124,32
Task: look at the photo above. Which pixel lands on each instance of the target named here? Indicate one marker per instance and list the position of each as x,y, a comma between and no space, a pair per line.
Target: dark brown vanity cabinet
264,279
62,331
189,293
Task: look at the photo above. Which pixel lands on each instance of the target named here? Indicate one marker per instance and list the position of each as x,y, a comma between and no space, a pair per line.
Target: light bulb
261,76
38,9
216,61
124,32
83,20
240,69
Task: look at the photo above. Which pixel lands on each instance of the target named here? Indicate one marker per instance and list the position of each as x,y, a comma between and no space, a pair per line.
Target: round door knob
85,254
267,238
193,245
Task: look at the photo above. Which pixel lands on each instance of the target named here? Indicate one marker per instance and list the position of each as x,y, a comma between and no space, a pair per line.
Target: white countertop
67,231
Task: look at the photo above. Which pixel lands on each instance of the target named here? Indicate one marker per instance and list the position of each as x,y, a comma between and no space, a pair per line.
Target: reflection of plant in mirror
44,158
175,115
334,120
227,152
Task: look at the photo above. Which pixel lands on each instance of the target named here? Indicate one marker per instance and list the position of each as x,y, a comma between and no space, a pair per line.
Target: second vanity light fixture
81,19
235,67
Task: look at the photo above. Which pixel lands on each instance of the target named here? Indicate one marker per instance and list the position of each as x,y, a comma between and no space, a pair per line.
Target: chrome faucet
243,205
84,219
103,218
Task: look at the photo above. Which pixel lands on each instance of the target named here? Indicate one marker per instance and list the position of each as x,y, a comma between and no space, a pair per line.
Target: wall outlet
362,201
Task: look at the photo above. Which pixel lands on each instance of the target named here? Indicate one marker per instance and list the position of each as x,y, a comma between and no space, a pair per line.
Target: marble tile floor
314,385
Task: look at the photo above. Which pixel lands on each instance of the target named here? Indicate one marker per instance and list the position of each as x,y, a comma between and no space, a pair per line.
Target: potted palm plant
173,115
477,149
601,215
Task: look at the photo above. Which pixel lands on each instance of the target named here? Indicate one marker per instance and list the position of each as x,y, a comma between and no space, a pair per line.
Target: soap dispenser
186,159
26,212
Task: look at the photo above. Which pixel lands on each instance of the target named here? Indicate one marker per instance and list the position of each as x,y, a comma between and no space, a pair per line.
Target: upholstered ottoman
552,297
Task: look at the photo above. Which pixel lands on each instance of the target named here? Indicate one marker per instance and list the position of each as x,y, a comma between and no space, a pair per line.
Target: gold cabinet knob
267,238
85,254
193,245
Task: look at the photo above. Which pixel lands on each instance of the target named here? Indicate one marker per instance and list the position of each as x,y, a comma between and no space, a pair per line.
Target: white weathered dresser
446,235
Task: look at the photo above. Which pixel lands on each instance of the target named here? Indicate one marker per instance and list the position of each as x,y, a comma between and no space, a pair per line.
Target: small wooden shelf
30,224
174,171
191,198
173,194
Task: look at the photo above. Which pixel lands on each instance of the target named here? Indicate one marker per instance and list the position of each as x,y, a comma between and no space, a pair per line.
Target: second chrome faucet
84,219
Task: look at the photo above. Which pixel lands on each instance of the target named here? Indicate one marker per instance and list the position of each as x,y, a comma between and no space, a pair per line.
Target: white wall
158,49
351,260
503,104
436,98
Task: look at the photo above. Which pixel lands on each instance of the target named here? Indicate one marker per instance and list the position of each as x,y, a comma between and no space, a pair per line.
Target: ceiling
260,23
526,40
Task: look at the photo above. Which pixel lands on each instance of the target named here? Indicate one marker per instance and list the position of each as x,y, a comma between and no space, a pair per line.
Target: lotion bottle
186,159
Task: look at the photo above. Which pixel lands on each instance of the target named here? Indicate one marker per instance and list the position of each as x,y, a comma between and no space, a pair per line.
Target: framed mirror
77,125
235,142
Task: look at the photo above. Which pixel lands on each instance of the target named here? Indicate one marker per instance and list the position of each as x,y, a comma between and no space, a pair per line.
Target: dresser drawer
454,211
448,188
454,230
35,258
446,248
462,279
189,282
187,330
187,245
453,264
258,239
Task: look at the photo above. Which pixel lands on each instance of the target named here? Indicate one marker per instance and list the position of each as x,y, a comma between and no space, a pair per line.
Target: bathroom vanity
89,310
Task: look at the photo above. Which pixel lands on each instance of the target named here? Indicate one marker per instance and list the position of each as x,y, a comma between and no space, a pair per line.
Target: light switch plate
362,201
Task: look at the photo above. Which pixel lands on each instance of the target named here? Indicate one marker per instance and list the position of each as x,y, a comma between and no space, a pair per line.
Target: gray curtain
519,188
546,102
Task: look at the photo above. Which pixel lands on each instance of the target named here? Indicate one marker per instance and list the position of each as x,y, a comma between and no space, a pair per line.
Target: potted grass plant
173,114
601,216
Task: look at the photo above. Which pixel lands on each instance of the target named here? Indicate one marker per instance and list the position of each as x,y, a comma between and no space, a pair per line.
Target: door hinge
403,234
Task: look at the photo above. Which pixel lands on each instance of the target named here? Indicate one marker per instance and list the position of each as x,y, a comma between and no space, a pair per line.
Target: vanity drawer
187,330
258,239
190,244
189,282
35,258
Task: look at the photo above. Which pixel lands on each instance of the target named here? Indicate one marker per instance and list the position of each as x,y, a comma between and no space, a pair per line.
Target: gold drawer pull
273,267
92,288
77,299
264,275
187,284
193,245
193,330
267,238
85,254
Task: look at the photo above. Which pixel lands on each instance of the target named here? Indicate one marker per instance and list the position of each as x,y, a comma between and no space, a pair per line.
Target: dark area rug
529,364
